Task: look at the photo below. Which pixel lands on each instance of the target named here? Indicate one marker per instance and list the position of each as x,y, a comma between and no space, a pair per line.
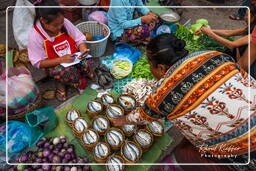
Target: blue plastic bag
122,50
19,136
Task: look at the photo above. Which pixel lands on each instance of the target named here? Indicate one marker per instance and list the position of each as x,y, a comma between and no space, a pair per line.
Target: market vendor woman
123,25
205,95
51,42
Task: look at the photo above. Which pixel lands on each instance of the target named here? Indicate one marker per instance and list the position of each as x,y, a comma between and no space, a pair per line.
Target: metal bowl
170,17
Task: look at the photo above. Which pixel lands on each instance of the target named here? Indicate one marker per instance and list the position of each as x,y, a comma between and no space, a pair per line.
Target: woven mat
80,102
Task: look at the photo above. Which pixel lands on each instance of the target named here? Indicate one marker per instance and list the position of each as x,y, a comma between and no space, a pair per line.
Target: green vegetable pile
204,42
142,69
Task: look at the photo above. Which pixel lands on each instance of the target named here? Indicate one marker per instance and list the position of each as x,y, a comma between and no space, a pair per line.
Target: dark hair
166,49
47,13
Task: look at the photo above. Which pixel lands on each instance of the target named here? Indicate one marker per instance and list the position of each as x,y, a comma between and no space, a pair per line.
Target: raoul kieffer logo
228,149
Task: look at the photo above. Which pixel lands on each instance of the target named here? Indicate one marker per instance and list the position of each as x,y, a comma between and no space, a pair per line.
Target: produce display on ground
141,69
203,42
52,150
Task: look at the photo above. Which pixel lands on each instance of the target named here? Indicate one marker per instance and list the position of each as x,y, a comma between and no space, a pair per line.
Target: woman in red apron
52,41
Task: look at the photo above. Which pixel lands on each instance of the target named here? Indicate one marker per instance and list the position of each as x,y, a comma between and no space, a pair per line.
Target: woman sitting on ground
123,25
51,42
206,97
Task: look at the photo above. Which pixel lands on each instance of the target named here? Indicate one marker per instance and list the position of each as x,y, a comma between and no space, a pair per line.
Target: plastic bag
42,121
21,29
122,50
121,68
21,88
19,136
100,16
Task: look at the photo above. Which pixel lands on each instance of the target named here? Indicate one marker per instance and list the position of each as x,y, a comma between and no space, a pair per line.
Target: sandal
235,17
61,94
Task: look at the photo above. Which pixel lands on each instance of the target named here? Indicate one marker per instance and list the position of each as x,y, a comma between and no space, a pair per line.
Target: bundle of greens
142,69
203,42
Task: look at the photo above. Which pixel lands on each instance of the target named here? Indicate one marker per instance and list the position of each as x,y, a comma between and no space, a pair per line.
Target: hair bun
178,44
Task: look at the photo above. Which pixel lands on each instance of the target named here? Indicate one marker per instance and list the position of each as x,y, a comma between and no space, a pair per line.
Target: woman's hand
152,14
67,59
148,18
120,121
207,31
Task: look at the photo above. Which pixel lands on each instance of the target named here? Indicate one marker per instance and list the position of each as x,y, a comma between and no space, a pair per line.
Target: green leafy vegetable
202,21
203,42
142,69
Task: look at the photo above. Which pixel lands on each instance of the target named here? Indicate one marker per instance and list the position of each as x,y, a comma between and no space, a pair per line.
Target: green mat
151,156
156,10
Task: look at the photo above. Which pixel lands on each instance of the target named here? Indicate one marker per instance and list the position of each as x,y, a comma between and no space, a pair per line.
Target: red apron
62,45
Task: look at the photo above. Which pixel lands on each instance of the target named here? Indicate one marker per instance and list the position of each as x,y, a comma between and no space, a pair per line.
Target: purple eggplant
65,145
70,150
40,169
59,168
50,156
68,156
40,154
23,158
64,160
46,152
59,146
46,145
45,160
46,167
63,139
66,168
39,160
56,159
86,168
73,168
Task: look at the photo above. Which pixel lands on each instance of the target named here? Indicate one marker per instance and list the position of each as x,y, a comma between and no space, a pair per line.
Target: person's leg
140,34
64,76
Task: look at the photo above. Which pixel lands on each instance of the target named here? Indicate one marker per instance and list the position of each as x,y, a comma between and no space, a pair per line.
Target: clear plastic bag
21,88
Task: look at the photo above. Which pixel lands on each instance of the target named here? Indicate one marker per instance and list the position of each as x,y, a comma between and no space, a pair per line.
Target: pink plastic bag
21,88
